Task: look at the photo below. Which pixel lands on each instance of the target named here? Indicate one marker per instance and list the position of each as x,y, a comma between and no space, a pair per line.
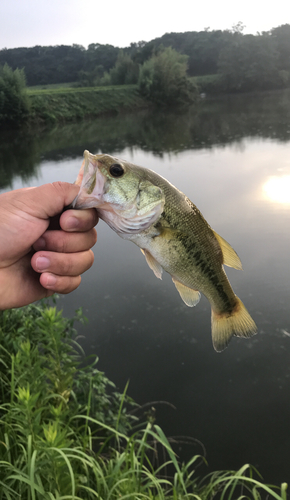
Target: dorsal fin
189,296
230,257
153,264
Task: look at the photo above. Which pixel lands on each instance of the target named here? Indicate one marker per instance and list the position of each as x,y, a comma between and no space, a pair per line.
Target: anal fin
153,264
189,296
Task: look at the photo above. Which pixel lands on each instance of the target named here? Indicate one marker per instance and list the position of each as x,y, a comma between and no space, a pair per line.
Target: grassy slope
66,103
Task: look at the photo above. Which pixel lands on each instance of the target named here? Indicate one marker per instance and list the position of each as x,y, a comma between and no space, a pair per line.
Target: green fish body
143,207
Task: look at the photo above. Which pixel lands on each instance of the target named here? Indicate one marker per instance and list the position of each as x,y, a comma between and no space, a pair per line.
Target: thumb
45,201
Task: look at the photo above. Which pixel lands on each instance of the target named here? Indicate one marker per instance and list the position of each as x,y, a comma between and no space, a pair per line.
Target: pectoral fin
189,296
153,264
230,258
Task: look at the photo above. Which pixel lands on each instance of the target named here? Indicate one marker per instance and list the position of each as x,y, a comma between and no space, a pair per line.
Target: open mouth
91,182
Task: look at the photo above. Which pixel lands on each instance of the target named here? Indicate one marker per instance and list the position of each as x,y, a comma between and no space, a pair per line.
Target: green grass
71,104
66,88
50,86
65,433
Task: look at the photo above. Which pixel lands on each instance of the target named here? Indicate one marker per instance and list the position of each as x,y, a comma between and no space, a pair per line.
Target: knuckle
57,184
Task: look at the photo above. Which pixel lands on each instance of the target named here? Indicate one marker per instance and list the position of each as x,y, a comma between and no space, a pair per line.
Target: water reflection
219,122
277,189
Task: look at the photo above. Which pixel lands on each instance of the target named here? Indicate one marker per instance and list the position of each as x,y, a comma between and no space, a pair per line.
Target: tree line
245,61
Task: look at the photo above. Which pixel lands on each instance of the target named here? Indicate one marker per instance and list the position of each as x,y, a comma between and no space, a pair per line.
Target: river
231,157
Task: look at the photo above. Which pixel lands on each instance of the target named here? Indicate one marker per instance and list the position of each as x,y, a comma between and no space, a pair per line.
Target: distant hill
209,52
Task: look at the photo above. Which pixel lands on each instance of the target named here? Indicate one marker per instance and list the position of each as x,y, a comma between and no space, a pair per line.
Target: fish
143,207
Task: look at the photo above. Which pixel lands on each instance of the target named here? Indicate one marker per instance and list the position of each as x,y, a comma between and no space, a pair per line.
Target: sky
26,23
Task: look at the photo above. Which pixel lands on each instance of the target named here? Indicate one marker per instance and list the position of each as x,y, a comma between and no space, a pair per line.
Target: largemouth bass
143,207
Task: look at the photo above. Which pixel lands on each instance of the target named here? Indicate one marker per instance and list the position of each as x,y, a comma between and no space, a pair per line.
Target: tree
238,28
98,54
14,102
281,36
45,65
163,79
91,78
125,70
249,62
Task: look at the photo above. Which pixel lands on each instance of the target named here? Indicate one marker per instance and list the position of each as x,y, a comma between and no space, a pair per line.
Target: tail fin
224,326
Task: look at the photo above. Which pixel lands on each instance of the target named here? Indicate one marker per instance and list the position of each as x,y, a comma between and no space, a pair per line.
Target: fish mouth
91,182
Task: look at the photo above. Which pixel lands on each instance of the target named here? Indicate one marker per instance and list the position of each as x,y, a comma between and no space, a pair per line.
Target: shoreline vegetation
67,104
69,83
65,432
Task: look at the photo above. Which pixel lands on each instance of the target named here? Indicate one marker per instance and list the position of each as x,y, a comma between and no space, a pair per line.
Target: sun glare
277,189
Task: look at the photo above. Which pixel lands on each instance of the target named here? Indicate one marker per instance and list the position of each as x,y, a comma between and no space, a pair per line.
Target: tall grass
65,433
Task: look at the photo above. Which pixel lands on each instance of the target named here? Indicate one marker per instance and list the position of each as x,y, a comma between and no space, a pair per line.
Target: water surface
231,157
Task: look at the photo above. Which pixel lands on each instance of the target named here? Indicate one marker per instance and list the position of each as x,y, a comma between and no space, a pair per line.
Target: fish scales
143,207
194,251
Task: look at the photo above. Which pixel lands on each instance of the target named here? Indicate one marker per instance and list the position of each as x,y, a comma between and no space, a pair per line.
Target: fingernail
42,263
72,223
50,280
40,244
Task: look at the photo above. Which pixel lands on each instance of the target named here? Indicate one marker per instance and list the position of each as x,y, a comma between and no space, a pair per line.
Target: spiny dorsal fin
189,296
153,264
230,257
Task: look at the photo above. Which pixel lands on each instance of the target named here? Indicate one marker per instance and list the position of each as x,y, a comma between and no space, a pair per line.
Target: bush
14,102
39,352
164,81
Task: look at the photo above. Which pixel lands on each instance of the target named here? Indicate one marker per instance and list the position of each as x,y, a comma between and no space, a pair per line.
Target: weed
65,433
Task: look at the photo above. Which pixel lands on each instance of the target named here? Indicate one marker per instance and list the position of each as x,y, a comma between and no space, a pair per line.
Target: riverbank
66,104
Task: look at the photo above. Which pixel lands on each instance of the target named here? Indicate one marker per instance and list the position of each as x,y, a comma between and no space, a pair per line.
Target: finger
59,284
63,242
62,264
78,220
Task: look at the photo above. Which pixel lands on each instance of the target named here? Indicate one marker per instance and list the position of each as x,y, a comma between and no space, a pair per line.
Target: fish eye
116,170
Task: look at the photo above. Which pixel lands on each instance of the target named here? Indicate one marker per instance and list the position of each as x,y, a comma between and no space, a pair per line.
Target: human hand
35,260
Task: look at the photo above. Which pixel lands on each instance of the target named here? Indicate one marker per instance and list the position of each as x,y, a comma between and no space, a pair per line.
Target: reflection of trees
257,115
220,121
19,156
